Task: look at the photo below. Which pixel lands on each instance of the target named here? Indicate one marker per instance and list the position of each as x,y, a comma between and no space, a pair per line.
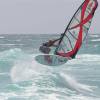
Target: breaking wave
35,81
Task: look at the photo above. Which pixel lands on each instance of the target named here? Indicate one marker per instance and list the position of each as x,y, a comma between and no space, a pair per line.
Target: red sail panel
77,29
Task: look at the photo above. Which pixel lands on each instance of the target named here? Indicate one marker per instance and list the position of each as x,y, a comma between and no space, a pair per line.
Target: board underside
51,60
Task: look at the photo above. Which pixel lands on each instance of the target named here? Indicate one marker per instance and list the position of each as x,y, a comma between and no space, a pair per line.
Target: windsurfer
45,48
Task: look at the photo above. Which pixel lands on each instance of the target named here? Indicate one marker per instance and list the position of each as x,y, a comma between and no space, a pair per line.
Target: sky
40,16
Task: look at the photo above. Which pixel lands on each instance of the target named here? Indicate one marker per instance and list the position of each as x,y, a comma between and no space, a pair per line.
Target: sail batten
72,35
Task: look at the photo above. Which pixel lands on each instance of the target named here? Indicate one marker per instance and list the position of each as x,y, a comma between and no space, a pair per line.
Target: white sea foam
94,35
10,44
72,83
4,73
26,70
77,97
90,58
52,96
96,40
23,71
2,37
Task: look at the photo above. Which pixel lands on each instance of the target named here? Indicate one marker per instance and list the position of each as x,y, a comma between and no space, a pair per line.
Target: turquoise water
22,78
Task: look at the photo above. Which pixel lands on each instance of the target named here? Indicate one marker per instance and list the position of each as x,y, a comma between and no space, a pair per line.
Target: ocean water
22,78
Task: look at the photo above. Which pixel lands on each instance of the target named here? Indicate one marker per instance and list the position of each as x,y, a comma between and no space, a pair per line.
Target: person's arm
55,45
58,38
51,42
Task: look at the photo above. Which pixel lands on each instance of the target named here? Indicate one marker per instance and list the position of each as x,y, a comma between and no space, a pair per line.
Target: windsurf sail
77,29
